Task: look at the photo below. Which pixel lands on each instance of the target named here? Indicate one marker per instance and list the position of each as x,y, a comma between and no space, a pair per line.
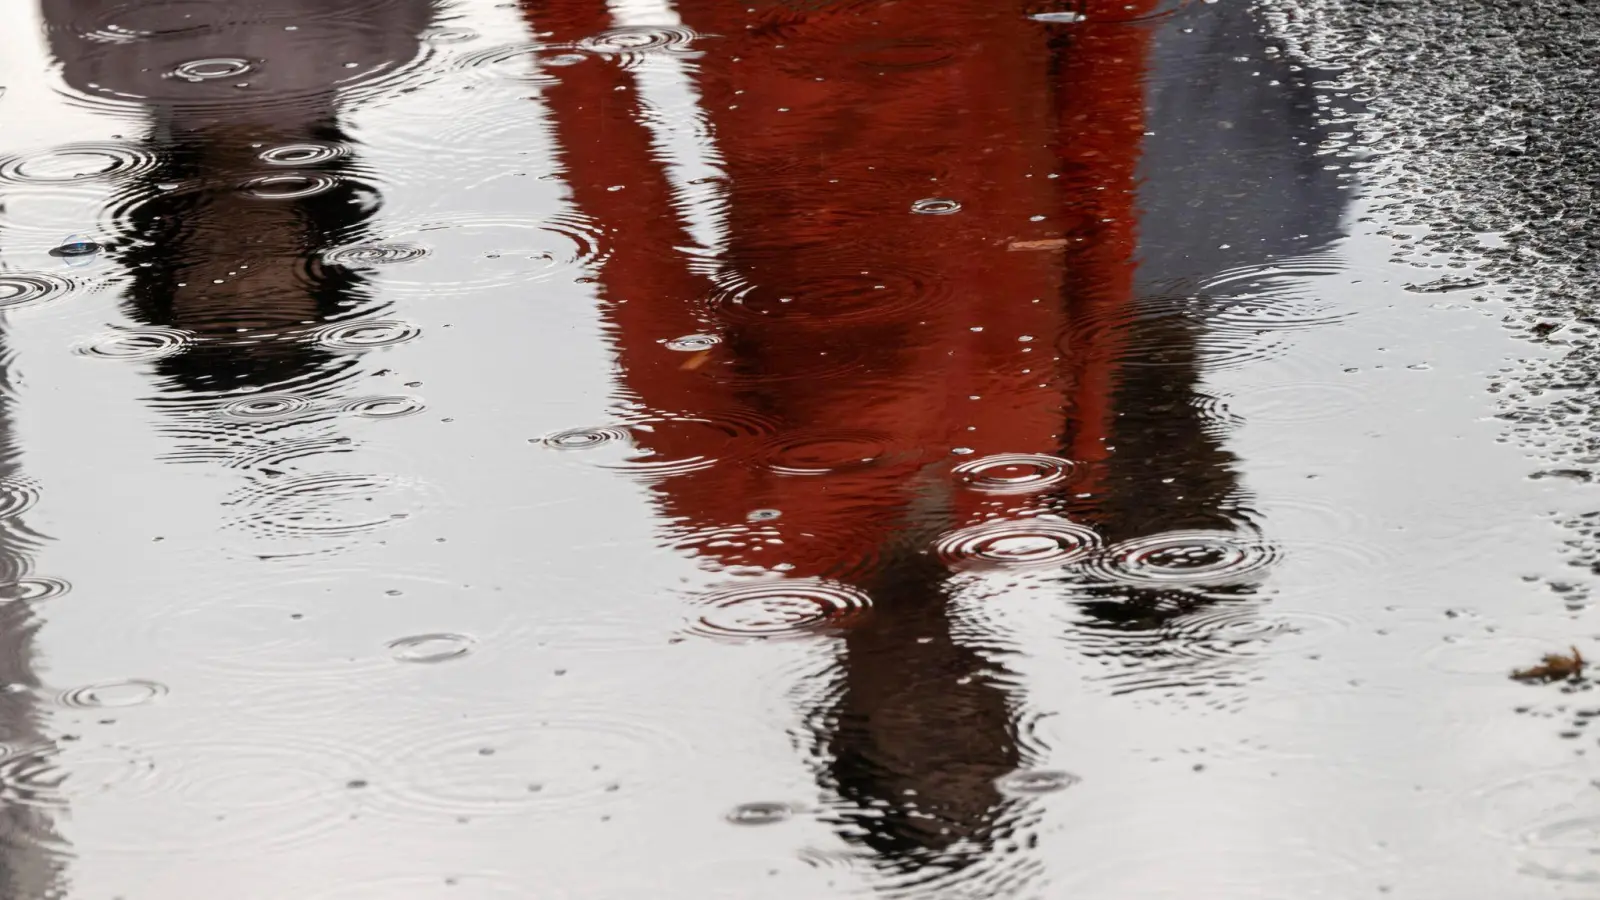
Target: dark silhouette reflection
921,732
251,181
1227,181
32,854
252,177
947,239
251,329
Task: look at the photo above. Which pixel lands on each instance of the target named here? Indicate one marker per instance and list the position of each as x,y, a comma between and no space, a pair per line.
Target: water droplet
288,186
1031,782
304,153
936,206
265,407
151,342
630,44
690,343
384,407
73,163
584,438
77,250
763,515
212,69
31,289
760,813
363,255
431,648
1013,473
110,694
35,589
1059,18
1176,558
1018,543
365,335
778,609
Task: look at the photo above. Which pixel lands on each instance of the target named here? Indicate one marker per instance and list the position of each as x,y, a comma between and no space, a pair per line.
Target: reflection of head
263,62
221,240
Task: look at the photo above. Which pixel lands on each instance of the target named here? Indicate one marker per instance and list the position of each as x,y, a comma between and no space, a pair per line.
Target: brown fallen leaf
1047,244
696,361
1556,667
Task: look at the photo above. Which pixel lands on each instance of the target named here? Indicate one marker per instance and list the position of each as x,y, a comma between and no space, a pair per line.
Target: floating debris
1556,667
1046,244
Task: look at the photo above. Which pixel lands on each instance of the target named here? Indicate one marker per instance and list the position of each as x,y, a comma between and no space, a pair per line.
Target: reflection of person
1228,177
29,864
1229,180
223,232
870,347
875,340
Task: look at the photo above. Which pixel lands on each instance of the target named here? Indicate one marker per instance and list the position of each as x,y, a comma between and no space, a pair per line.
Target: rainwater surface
796,449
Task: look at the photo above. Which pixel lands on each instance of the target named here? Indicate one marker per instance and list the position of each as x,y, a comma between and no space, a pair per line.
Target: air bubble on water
1059,18
936,206
1030,782
760,813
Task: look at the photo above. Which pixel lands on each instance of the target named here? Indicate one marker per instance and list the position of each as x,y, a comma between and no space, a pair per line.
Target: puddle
810,449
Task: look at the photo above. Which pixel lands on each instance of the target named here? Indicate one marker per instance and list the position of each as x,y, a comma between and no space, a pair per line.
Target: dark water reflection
935,251
909,307
31,847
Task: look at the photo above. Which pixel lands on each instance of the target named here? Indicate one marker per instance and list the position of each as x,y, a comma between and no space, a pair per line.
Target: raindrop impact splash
585,438
35,589
778,609
365,335
288,186
383,407
359,256
1186,558
212,69
77,163
760,813
304,154
265,407
31,289
1018,544
1013,473
1032,782
152,342
691,343
113,694
936,206
430,648
630,45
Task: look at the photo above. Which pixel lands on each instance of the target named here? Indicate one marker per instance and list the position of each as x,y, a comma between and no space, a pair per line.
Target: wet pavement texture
814,448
